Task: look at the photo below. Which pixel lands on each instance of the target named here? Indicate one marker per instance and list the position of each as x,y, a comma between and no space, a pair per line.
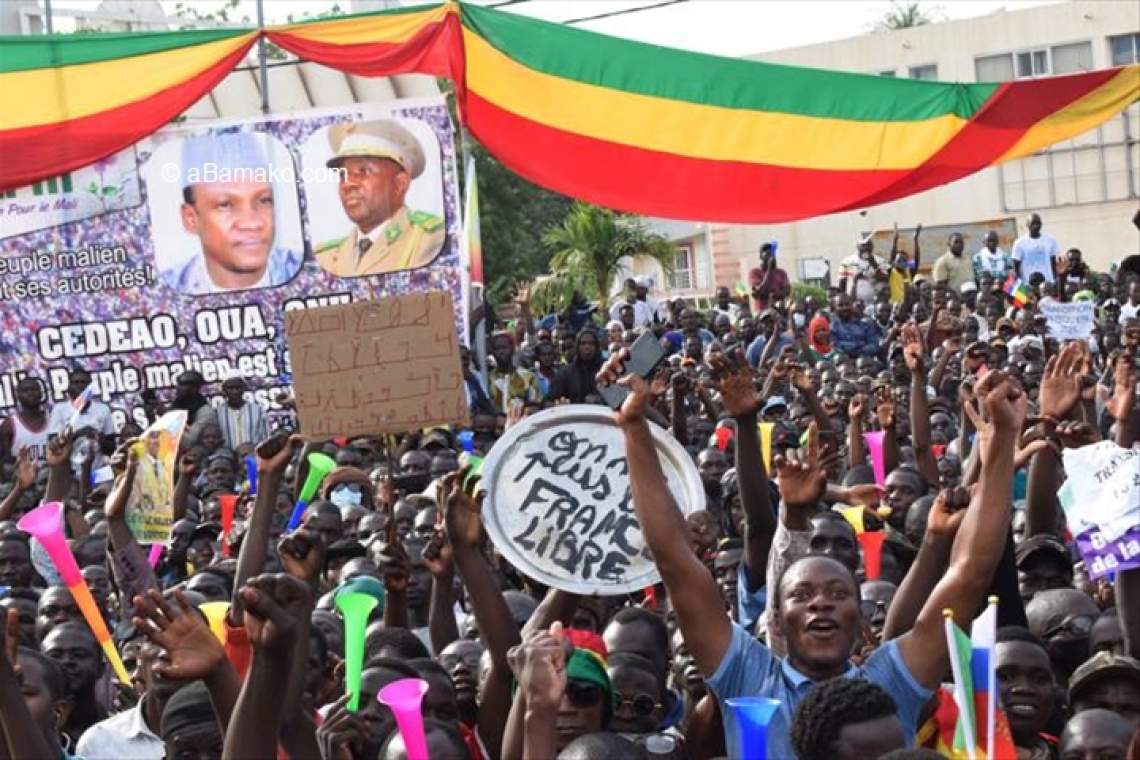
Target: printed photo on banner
157,454
384,212
224,211
204,235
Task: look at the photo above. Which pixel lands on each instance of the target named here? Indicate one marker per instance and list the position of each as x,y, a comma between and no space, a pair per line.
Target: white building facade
1086,189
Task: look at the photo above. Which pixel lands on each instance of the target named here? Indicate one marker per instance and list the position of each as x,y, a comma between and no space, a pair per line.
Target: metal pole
48,26
478,336
263,68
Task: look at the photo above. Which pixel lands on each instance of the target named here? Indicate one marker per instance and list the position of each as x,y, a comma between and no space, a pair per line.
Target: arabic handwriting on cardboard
383,366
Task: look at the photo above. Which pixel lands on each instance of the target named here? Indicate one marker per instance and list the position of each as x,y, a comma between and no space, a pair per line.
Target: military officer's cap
377,139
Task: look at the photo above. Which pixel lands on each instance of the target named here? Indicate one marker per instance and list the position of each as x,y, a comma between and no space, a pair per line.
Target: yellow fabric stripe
1090,111
360,30
699,131
50,96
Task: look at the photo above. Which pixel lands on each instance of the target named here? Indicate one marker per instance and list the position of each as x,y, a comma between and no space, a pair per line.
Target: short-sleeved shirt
96,416
749,669
996,264
955,271
1036,255
856,266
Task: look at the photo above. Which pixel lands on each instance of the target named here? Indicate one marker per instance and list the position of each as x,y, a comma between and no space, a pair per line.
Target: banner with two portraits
184,252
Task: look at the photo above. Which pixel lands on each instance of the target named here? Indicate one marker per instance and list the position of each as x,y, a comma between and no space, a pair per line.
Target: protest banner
1103,557
559,506
1069,321
185,251
152,511
1107,478
388,366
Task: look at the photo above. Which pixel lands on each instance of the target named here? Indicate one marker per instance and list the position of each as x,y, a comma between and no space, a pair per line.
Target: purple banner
1104,557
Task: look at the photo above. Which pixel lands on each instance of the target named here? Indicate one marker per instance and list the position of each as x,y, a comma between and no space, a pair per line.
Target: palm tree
904,16
589,248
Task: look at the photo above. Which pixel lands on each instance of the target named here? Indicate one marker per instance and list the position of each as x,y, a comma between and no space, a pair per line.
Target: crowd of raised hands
854,500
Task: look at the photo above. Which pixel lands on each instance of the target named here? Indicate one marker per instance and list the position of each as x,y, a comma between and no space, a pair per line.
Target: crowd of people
765,589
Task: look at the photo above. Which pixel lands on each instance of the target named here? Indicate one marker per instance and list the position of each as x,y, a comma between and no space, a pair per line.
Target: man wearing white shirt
94,415
645,309
1033,253
1131,308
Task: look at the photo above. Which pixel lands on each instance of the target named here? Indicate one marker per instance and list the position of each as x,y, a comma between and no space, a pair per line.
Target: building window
994,68
929,72
1071,59
1033,63
1125,49
1094,167
683,269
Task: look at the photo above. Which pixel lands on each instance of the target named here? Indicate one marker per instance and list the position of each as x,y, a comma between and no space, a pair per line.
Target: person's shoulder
331,245
426,220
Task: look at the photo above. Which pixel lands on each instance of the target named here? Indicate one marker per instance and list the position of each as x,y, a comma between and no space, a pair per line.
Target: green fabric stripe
643,69
401,11
26,53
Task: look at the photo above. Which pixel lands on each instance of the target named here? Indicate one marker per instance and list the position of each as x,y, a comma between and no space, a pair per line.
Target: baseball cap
1100,666
1041,543
773,403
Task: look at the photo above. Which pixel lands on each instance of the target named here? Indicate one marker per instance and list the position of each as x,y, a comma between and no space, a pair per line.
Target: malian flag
981,731
1016,290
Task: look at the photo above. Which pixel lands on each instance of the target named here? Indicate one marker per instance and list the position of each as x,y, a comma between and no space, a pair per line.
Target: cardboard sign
559,506
1069,321
387,366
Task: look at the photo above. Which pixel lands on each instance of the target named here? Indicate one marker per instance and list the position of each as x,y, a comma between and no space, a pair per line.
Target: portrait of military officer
228,205
378,160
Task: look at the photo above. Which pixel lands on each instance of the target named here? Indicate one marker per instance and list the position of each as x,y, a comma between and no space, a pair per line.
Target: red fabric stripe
429,51
53,149
1010,112
661,184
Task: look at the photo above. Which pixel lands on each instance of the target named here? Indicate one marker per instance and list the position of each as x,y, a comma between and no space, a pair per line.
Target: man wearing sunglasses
1063,618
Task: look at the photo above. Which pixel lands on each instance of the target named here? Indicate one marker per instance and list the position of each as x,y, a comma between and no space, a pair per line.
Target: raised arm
981,537
698,604
25,481
919,405
1122,404
277,609
273,456
464,528
133,574
856,450
933,558
738,394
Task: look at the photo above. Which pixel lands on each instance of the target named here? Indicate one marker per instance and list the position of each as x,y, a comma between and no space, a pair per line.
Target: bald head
1095,735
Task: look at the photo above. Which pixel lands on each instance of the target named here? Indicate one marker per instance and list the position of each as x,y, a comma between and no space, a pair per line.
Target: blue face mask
346,497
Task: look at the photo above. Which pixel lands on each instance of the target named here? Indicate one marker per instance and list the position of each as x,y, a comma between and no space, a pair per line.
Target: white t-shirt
96,416
1036,255
1128,311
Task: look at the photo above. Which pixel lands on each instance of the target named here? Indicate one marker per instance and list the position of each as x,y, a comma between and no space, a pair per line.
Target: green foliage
589,249
904,16
801,290
513,214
